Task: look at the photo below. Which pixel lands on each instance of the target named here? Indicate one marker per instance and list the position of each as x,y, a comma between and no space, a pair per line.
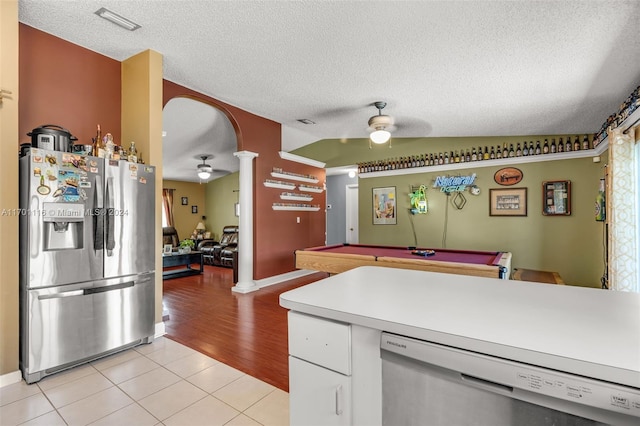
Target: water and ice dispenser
63,226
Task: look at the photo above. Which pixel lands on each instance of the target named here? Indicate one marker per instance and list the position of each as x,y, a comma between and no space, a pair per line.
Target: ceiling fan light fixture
204,170
380,136
379,125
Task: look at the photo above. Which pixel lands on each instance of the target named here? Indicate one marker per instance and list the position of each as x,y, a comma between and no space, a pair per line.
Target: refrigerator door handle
98,219
110,218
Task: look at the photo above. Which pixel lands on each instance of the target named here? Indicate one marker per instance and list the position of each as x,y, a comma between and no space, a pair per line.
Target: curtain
167,205
622,210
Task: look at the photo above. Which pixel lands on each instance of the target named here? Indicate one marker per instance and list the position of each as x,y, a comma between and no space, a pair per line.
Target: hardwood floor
245,331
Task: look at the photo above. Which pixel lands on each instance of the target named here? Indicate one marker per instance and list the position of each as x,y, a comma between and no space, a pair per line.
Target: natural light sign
455,183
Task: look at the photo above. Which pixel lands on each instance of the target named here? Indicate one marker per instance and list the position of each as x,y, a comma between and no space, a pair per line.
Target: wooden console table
178,259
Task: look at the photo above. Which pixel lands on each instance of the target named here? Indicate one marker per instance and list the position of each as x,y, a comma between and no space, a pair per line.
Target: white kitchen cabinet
319,371
317,395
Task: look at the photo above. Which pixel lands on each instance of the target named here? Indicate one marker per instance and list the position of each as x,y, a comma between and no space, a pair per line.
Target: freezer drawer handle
86,291
61,295
108,288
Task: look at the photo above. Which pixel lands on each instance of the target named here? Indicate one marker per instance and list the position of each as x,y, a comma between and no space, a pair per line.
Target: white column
245,282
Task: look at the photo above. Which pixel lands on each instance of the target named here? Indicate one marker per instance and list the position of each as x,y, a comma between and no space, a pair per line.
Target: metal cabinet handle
339,400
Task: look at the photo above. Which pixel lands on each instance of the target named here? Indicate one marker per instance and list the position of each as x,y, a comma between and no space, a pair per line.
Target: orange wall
67,85
276,233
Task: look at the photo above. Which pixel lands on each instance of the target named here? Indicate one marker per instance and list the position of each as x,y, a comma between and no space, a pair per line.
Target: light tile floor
163,383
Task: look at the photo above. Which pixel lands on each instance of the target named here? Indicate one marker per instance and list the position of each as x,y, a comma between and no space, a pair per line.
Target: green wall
220,200
570,245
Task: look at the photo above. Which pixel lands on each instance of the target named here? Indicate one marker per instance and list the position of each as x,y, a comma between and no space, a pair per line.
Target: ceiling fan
380,126
204,170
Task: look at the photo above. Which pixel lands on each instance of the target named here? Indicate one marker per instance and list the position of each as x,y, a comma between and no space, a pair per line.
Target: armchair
212,251
170,236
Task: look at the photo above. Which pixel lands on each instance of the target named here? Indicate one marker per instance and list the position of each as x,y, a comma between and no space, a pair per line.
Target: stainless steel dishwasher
428,384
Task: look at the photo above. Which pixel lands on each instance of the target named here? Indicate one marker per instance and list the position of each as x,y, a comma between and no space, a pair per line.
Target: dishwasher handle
486,384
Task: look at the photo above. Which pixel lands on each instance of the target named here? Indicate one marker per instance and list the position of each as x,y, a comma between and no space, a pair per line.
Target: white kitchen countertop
584,331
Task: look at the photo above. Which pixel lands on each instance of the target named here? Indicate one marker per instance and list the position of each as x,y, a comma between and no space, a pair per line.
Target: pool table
342,257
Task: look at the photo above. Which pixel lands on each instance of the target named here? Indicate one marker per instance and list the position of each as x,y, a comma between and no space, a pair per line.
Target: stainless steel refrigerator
87,244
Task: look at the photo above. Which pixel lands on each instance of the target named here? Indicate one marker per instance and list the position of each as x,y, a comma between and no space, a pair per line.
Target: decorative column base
247,287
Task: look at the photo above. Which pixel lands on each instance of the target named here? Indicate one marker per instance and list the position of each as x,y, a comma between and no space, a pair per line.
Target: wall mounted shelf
303,160
280,185
296,197
296,208
305,188
293,177
490,163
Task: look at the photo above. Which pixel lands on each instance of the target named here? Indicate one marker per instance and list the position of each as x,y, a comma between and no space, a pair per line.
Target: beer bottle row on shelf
522,149
628,107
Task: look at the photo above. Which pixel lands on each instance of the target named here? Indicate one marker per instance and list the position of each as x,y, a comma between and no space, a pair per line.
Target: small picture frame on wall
185,201
556,198
384,206
508,202
194,209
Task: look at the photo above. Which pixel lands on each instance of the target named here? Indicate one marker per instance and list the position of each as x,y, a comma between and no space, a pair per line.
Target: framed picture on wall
508,202
556,198
384,206
185,201
194,209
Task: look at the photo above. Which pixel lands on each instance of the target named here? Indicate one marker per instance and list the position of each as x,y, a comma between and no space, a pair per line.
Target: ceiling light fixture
114,18
379,125
306,121
204,170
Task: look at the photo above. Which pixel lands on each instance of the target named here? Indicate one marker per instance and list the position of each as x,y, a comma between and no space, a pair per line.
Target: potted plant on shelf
186,246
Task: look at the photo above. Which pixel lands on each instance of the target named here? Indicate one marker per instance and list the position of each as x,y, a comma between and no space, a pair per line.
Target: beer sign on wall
508,176
457,185
449,184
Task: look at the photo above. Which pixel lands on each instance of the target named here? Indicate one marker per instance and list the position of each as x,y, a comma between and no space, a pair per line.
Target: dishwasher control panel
558,390
583,391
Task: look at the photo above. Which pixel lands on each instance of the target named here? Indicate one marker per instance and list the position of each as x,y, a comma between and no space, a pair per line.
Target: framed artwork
508,202
384,206
166,249
556,198
185,201
194,209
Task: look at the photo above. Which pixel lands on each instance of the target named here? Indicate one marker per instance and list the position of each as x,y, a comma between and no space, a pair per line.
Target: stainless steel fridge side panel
69,325
129,219
57,228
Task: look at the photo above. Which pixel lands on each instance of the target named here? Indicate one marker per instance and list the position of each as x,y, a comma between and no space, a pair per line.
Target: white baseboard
160,330
10,378
277,279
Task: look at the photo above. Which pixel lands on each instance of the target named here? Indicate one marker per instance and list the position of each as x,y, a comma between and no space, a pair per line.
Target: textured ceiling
445,68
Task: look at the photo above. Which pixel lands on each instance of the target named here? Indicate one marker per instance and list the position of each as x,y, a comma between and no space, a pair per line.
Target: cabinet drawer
320,341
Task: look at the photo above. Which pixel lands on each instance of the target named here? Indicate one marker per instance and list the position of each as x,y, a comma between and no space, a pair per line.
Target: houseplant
186,246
